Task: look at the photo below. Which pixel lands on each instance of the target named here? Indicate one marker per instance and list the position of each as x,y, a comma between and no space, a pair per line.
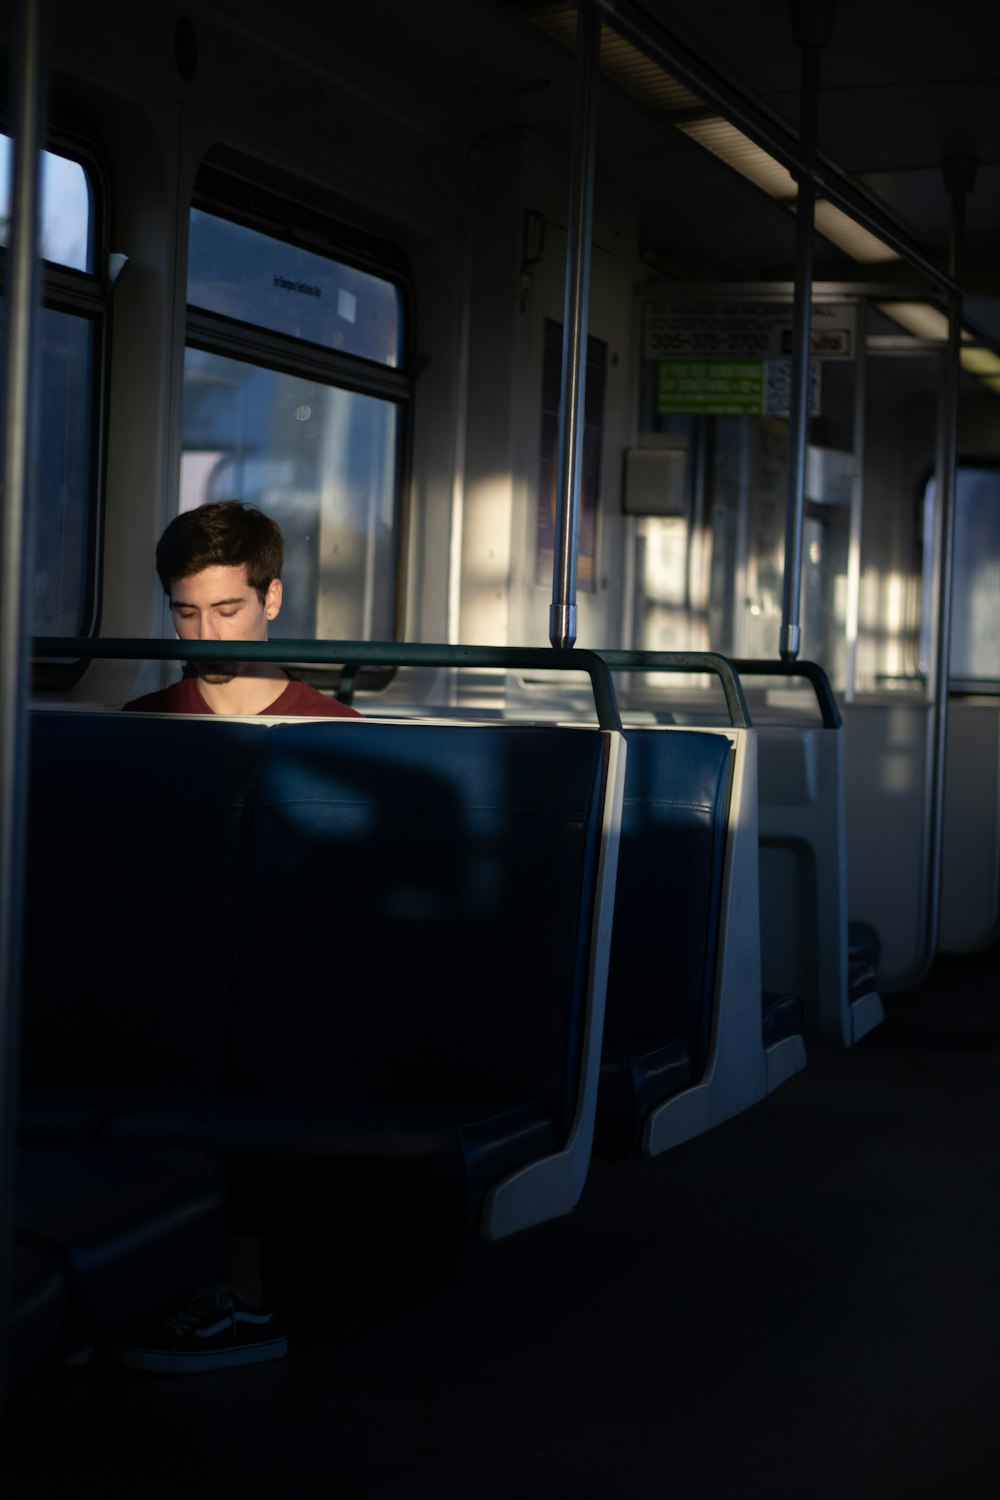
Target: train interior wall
480,218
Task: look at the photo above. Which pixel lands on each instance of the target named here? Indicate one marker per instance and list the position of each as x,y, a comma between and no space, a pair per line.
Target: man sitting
220,567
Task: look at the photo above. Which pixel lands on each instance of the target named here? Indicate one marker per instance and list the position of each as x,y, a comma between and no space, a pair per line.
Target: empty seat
103,1237
138,842
663,954
37,1307
684,1035
863,953
781,1017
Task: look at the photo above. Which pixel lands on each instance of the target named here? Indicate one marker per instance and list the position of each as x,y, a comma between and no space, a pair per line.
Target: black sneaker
213,1330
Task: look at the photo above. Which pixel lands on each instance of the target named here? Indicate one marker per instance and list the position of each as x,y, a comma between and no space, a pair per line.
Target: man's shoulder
301,700
297,700
179,698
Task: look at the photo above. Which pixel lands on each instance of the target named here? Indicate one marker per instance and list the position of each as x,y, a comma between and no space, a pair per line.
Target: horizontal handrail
810,670
348,653
973,687
687,661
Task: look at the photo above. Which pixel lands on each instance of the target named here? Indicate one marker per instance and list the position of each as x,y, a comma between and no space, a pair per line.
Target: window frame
85,294
249,193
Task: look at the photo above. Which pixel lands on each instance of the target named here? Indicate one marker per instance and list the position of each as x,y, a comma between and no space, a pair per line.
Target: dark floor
804,1303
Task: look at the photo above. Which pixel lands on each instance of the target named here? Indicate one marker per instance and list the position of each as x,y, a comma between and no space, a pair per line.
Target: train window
294,393
71,340
322,462
242,273
64,525
975,606
66,209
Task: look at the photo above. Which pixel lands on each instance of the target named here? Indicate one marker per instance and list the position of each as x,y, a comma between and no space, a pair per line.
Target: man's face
219,604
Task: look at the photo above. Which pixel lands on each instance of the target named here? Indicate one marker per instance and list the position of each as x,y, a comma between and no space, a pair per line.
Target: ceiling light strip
730,145
765,130
982,362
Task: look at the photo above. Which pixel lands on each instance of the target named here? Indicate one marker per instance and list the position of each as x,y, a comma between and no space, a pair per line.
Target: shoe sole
158,1362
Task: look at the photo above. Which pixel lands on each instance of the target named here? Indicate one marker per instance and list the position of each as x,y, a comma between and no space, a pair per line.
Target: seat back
707,974
662,972
138,834
418,913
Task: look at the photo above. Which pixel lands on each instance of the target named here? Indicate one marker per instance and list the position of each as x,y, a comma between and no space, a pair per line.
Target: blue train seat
104,1237
36,1312
407,993
663,953
136,856
863,953
690,1039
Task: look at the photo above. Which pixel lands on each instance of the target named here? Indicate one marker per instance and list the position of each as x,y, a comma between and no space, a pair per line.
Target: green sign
730,388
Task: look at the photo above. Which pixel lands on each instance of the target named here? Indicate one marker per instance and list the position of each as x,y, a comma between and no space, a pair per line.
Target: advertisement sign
731,356
730,388
733,328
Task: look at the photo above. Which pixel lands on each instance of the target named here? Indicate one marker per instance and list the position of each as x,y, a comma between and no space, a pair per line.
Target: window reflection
63,478
322,462
244,274
66,208
270,423
62,526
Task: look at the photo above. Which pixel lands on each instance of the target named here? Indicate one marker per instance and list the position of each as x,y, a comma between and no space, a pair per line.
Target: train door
891,717
719,564
709,557
970,885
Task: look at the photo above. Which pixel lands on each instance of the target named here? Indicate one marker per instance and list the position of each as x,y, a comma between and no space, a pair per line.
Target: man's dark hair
222,534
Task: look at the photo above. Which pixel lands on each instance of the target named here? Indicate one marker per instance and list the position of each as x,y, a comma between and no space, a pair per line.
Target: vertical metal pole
740,646
812,22
852,621
27,86
697,593
562,615
959,175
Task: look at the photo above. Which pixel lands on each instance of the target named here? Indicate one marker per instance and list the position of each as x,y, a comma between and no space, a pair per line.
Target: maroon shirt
296,699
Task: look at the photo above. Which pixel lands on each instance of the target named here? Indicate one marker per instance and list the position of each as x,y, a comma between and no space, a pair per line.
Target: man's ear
272,599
